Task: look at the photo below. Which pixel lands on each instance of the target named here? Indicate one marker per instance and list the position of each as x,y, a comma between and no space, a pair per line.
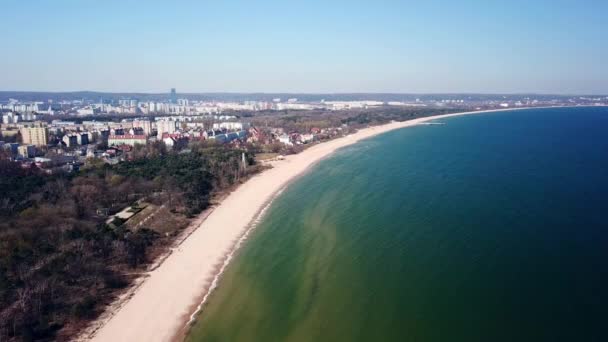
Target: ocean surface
491,227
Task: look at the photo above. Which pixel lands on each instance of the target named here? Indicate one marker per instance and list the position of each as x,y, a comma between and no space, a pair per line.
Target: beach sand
173,293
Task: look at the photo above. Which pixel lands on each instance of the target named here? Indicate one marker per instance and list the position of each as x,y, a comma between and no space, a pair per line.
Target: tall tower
173,96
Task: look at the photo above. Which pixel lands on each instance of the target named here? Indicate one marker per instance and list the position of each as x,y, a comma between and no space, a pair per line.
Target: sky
305,46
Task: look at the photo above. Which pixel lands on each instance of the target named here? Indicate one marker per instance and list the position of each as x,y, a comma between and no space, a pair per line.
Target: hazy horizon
297,93
465,47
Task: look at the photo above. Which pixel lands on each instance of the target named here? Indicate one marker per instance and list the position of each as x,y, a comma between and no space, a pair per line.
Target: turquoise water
487,228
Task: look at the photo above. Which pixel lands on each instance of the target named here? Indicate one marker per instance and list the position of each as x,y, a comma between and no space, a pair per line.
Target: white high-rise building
166,126
145,124
152,107
10,118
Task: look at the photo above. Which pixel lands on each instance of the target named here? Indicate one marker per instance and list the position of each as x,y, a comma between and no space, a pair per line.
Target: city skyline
268,47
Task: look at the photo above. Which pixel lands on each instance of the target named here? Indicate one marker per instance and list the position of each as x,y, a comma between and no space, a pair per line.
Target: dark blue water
490,227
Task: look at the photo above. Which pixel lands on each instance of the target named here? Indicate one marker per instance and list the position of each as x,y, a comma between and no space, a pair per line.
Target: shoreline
172,296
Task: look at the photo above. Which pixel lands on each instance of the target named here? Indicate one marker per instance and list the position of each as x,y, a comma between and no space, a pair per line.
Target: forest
60,262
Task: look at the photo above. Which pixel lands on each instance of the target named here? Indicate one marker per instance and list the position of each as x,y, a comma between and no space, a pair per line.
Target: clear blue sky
548,46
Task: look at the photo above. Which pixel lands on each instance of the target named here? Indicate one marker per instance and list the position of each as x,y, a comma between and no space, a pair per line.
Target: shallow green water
486,228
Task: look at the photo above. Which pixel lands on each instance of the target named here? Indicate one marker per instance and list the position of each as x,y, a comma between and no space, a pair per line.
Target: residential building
131,140
285,139
237,126
12,148
84,138
137,131
10,118
27,151
28,116
70,140
36,135
165,126
117,131
144,124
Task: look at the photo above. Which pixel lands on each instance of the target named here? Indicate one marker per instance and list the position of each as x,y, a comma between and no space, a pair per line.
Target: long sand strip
163,305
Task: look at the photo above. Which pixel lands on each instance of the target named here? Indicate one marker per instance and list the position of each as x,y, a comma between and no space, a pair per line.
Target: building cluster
288,139
67,144
187,107
30,132
171,104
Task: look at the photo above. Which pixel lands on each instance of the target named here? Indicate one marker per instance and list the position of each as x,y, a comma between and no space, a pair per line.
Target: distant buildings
12,148
177,121
166,126
15,110
137,131
117,131
237,126
87,111
229,136
70,140
131,140
285,139
406,104
78,138
28,116
344,105
83,138
10,118
36,135
144,124
26,151
306,138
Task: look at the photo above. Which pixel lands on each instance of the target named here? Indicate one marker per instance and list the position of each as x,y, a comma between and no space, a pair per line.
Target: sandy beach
162,306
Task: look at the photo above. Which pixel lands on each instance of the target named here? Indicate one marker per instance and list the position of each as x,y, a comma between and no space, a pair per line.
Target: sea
487,227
